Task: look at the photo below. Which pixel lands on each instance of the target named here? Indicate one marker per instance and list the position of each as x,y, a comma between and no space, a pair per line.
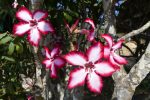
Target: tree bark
125,84
125,88
109,16
40,83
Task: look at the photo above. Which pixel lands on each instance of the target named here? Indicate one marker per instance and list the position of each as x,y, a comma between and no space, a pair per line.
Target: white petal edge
47,63
91,35
77,78
90,21
53,69
55,51
47,52
94,82
21,28
104,68
39,15
34,37
94,52
108,38
117,45
119,59
75,58
24,14
45,27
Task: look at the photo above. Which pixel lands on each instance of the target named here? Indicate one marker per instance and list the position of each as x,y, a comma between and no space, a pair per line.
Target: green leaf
11,48
8,58
19,48
67,16
5,40
2,35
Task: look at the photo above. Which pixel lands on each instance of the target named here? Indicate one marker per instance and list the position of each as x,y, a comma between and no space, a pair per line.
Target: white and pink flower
33,24
15,4
92,68
109,51
90,33
53,61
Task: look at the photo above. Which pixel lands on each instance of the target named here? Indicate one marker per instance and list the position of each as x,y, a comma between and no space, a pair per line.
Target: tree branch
125,87
136,32
140,70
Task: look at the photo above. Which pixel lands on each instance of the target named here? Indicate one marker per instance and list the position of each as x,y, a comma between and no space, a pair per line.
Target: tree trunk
109,16
125,84
125,87
41,78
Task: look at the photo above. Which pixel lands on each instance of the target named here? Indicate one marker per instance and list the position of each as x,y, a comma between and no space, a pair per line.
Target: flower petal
34,37
39,15
91,35
104,68
119,59
94,82
112,61
108,38
47,52
53,71
45,27
67,26
55,51
94,52
77,78
74,25
59,62
90,21
47,63
21,28
76,58
106,52
117,45
24,14
85,31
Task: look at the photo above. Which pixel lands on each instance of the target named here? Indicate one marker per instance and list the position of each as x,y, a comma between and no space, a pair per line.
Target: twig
136,32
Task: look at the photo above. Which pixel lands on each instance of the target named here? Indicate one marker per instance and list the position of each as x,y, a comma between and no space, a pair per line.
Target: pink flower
91,68
53,61
73,27
110,48
33,24
29,97
90,33
15,4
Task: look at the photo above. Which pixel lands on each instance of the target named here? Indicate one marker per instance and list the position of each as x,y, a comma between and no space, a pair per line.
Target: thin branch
136,32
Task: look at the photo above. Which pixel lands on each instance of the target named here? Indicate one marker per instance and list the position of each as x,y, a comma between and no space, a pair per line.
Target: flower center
89,66
33,22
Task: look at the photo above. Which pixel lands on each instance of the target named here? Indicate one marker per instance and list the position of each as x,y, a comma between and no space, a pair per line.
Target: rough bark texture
125,84
40,82
125,87
109,17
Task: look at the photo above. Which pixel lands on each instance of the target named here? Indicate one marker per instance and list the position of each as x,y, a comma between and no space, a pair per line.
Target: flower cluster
97,62
94,64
